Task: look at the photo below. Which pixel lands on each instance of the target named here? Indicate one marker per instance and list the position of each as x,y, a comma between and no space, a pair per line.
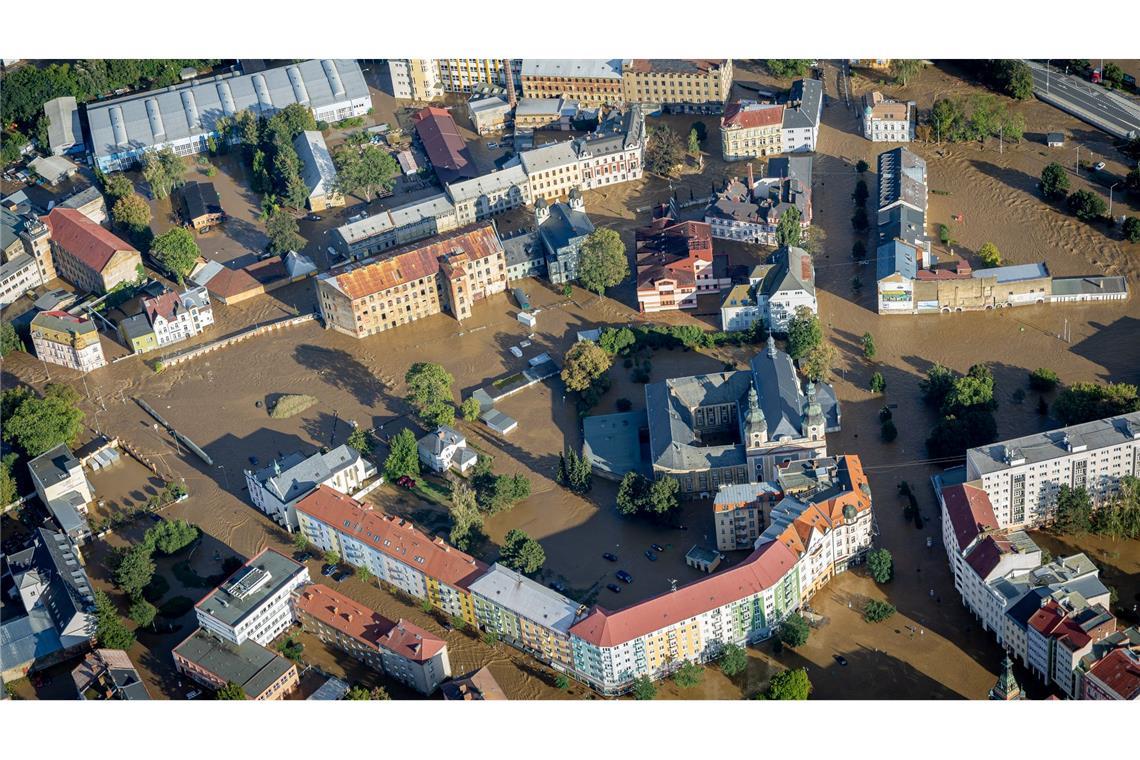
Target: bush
1043,380
689,675
290,405
624,405
878,384
888,432
1087,206
885,414
989,255
876,611
1054,181
1131,229
862,166
881,566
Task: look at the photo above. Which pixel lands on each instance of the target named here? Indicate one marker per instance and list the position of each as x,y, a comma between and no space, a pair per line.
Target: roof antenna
672,584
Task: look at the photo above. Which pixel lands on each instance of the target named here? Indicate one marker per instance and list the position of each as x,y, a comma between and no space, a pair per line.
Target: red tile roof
338,611
165,306
228,283
986,556
1119,671
749,116
393,536
84,239
763,569
443,144
670,250
970,512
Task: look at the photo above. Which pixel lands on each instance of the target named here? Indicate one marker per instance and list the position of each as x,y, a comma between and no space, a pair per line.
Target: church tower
814,425
1006,689
755,426
541,212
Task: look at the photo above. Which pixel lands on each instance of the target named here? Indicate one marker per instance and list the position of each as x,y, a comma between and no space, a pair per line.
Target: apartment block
698,85
802,112
448,273
750,129
466,74
175,317
593,82
400,649
276,489
254,603
73,342
89,256
740,513
213,662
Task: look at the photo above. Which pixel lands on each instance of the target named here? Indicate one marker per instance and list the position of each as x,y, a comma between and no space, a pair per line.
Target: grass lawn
430,490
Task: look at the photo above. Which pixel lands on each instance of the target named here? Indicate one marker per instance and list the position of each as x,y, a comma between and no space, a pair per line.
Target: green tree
1015,79
888,432
787,68
36,425
282,230
804,332
231,691
633,493
9,339
794,631
1054,181
881,565
375,694
110,631
521,552
584,363
859,250
366,169
561,682
117,186
694,143
1083,402
937,385
868,343
689,675
1087,205
364,574
136,568
1074,510
733,660
403,457
789,685
663,151
142,612
176,251
643,688
615,340
663,495
8,490
162,169
332,557
1043,380
465,516
862,166
876,611
131,212
817,363
989,255
602,263
300,543
905,69
470,409
788,229
429,393
170,536
360,440
861,192
948,119
1131,228
878,384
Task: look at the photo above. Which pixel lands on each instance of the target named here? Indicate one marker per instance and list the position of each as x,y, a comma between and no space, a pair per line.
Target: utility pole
1114,184
1078,160
1001,141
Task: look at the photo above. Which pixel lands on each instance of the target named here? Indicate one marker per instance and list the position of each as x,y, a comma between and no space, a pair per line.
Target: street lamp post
1047,75
222,467
1114,184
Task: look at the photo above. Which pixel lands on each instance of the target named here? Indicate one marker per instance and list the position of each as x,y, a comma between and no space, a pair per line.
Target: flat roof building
263,675
253,603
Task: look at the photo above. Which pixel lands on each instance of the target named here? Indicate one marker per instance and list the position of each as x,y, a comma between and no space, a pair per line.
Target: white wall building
886,120
254,603
799,132
445,448
276,489
176,317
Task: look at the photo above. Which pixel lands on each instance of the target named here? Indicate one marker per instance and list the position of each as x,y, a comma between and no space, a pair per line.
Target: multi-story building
108,674
175,317
466,74
276,489
185,117
734,606
26,255
445,147
552,170
1061,633
60,338
676,263
318,171
489,194
18,275
392,550
593,82
1022,476
549,113
750,129
739,426
434,215
90,256
1113,670
63,488
446,448
698,85
750,211
740,513
447,273
799,131
200,205
489,114
254,603
562,229
886,120
415,79
400,649
775,293
214,662
526,615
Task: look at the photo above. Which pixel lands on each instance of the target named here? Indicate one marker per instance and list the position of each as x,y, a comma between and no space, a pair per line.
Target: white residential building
447,448
73,342
886,120
254,603
774,293
800,129
63,488
276,489
318,171
176,317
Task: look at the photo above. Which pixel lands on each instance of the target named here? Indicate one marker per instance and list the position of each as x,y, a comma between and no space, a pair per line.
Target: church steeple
755,425
814,426
1006,689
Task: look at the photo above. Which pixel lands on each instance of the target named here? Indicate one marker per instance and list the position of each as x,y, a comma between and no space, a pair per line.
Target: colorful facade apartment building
696,85
676,263
90,256
751,130
400,649
448,273
73,342
392,549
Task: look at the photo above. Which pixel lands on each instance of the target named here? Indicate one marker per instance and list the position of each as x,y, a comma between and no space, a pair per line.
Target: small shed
499,422
527,319
1055,140
705,560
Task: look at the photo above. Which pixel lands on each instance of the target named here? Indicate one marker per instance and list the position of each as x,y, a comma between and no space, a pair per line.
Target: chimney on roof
751,181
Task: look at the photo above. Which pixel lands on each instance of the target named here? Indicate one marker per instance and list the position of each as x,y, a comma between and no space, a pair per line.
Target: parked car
328,570
314,217
841,660
610,557
614,588
657,547
649,555
340,576
193,694
406,481
492,145
305,556
623,576
1098,166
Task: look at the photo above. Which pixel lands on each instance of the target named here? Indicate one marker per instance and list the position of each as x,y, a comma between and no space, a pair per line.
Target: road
1091,103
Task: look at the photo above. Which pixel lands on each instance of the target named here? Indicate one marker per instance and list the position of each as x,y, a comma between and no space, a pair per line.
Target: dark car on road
649,555
841,660
614,588
657,547
610,557
328,570
305,556
623,576
340,576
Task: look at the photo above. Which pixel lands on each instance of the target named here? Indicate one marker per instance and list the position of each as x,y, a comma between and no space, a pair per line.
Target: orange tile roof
827,514
367,626
763,569
738,115
84,239
393,536
231,282
412,262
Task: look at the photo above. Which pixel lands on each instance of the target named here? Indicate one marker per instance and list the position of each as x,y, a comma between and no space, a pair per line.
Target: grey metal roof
295,475
526,598
77,326
736,493
253,583
159,117
902,178
896,256
27,638
1014,273
318,171
611,442
804,104
82,198
248,664
1069,286
563,227
540,107
572,68
1042,447
788,272
902,222
489,105
64,129
10,227
331,690
520,249
488,184
195,298
54,559
549,157
1030,601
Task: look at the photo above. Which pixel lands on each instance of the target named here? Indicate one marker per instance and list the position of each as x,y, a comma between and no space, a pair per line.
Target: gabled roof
443,144
319,171
84,239
749,115
1119,670
563,226
200,199
367,626
970,512
793,271
805,100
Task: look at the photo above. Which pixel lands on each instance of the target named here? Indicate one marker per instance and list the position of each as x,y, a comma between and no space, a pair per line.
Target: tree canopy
584,363
429,393
131,212
804,332
35,424
521,552
1082,402
466,518
602,263
794,631
231,691
791,684
1055,181
664,151
110,631
366,169
989,255
9,339
733,660
283,232
403,457
176,251
789,230
688,675
905,69
881,565
162,169
1087,205
786,68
